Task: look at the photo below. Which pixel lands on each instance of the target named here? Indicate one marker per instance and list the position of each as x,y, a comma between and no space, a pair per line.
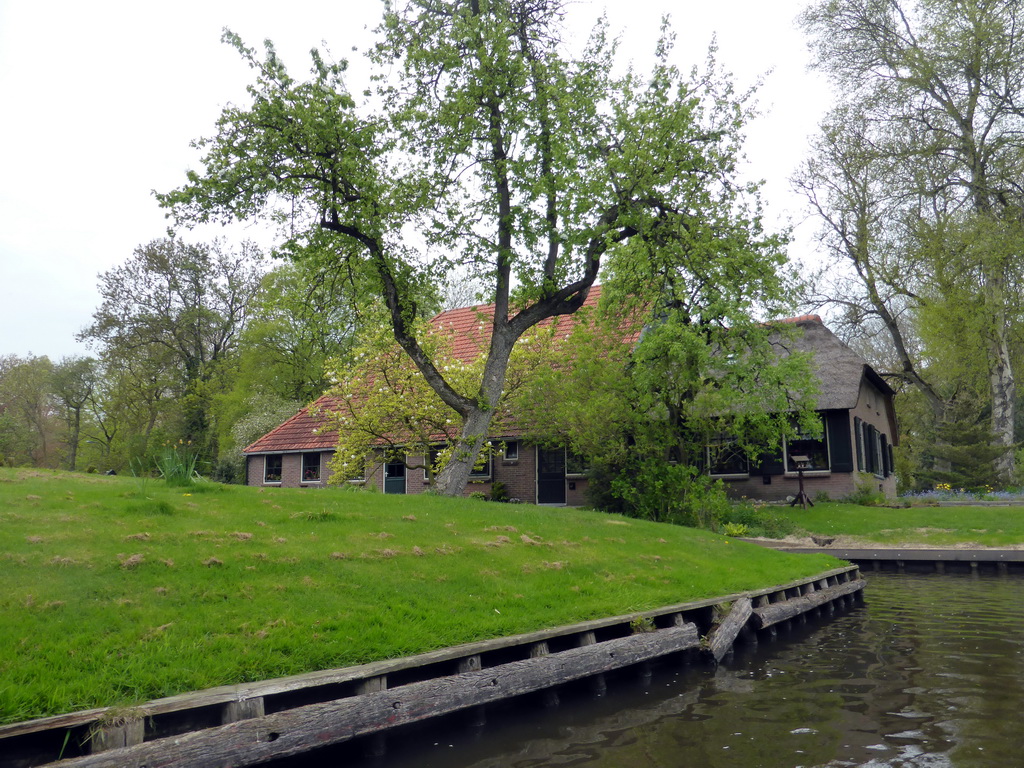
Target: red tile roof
300,433
470,331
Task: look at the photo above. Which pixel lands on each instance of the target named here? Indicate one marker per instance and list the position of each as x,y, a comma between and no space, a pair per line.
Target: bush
498,491
759,521
658,490
866,495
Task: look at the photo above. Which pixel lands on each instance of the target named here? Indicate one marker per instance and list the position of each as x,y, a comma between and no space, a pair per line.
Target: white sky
100,100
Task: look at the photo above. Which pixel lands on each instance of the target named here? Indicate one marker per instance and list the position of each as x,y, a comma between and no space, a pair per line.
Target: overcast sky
101,99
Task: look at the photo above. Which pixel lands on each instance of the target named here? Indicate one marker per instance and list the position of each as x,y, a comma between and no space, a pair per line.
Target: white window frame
280,477
319,467
724,475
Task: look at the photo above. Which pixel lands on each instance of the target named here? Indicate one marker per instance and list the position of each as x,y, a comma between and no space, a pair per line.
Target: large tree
172,314
939,85
486,147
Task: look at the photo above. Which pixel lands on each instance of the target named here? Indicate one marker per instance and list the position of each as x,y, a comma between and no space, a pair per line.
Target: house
854,449
859,431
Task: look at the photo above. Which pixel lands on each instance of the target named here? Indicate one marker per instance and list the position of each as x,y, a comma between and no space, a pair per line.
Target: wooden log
298,730
720,639
776,613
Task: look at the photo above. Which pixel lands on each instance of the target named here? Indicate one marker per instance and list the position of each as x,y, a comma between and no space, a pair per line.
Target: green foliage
735,529
656,490
644,413
177,465
866,494
759,520
169,321
499,492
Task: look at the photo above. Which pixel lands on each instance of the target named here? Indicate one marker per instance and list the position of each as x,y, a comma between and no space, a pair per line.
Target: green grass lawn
920,526
114,592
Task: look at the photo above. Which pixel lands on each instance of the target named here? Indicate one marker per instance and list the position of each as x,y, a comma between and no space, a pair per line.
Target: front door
551,476
394,477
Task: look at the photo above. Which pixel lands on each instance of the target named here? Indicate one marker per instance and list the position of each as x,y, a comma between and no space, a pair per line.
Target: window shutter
837,424
886,470
860,442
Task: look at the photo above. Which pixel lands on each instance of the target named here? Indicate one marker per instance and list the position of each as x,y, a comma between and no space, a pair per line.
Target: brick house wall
872,408
291,470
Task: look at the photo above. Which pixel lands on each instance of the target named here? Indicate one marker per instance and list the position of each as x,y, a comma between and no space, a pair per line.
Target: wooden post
243,709
372,685
117,735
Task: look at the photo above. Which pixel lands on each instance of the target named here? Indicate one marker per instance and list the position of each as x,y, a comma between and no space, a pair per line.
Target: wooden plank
295,731
768,615
721,638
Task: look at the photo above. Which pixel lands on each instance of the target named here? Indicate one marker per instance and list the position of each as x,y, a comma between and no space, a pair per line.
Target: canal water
928,671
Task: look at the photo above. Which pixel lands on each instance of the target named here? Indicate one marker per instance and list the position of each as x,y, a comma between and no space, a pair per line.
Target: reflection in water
927,673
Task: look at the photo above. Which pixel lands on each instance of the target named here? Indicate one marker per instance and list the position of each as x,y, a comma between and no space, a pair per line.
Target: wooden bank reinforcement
252,723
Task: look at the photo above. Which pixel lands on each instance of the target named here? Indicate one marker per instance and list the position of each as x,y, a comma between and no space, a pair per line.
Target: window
575,464
479,472
311,467
815,449
432,457
272,469
725,457
511,450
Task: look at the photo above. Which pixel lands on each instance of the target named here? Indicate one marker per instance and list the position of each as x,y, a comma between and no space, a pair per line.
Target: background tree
493,152
73,381
30,425
939,85
171,315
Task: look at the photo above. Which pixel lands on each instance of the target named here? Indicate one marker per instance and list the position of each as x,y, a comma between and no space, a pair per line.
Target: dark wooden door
551,476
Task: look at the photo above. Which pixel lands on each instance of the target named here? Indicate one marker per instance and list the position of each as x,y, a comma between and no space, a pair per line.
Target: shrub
177,465
735,529
498,491
478,495
758,520
654,489
866,495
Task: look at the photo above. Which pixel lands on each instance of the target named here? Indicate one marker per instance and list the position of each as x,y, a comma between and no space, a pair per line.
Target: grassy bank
984,526
116,592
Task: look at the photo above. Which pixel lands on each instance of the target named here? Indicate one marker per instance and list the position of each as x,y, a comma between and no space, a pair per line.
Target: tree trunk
476,422
1004,396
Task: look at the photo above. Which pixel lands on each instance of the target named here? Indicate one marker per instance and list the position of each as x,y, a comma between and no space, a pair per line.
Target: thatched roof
839,369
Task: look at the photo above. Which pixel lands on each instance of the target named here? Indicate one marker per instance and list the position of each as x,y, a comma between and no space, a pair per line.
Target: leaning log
768,615
721,637
294,731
